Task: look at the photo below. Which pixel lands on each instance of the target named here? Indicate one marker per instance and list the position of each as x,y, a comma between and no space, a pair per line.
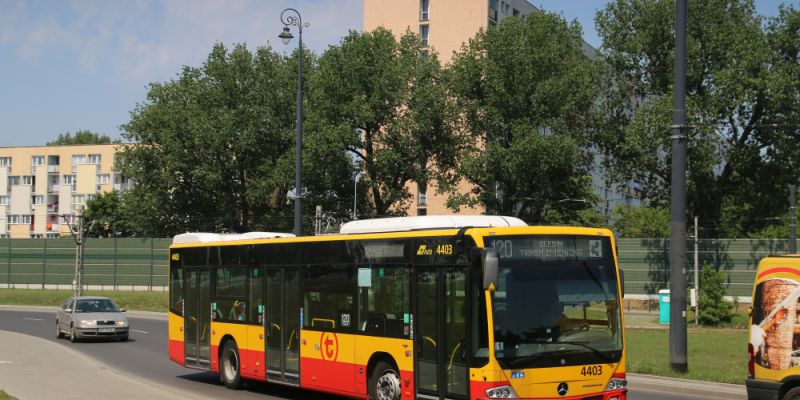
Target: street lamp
291,17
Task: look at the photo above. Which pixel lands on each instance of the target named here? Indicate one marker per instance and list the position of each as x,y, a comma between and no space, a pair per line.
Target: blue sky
67,65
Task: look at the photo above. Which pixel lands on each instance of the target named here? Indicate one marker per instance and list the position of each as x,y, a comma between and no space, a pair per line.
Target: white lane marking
34,319
5,362
139,331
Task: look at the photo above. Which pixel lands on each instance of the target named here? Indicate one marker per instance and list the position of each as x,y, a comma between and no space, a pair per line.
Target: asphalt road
145,356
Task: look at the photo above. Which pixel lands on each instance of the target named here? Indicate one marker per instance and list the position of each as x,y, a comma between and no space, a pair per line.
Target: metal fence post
8,282
115,263
44,263
152,240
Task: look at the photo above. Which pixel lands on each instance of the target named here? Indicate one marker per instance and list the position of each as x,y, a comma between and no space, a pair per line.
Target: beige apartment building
40,184
444,26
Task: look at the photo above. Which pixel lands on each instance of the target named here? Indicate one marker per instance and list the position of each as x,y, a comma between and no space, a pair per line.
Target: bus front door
282,325
197,318
441,367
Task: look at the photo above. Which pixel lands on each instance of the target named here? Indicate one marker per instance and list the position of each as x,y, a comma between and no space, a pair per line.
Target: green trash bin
663,306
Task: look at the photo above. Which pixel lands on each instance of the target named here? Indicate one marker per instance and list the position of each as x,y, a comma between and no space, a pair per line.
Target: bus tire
384,382
229,366
792,394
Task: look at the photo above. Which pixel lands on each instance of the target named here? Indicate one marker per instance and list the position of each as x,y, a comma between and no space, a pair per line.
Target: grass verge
717,356
6,396
141,301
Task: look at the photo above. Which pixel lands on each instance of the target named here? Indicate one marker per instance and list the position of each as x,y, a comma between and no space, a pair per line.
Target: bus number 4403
591,370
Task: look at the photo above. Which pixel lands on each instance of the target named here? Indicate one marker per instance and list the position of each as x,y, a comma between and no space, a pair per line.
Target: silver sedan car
91,317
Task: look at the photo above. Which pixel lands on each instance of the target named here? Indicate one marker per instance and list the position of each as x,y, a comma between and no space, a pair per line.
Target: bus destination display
550,247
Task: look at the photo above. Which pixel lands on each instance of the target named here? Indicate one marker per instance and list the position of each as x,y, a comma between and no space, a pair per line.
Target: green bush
714,310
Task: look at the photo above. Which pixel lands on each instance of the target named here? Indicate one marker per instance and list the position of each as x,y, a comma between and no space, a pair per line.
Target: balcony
52,169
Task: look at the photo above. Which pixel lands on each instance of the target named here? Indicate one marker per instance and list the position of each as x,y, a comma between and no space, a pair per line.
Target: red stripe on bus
778,270
252,366
330,376
176,351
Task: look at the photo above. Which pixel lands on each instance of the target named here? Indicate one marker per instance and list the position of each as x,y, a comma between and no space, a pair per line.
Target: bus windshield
556,303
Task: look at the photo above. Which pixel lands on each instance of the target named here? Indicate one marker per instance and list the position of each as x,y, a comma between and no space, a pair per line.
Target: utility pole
79,235
696,275
792,220
678,358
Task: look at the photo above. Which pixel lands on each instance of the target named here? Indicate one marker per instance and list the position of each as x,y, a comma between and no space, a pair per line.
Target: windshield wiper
604,356
525,359
609,359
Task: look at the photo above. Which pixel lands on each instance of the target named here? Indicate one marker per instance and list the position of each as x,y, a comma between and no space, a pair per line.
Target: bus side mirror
622,282
489,261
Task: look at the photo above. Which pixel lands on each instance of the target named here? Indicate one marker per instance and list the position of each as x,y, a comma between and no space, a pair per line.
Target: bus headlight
501,392
617,383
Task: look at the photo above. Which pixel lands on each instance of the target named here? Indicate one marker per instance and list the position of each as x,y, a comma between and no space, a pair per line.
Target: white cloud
139,41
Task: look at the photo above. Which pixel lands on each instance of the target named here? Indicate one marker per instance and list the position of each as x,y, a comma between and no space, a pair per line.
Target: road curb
688,386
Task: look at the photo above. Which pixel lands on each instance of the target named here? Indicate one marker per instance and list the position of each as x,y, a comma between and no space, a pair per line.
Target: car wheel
59,333
793,394
384,383
73,337
229,366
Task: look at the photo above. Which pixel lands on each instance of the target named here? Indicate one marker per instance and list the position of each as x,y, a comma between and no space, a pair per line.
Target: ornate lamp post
291,17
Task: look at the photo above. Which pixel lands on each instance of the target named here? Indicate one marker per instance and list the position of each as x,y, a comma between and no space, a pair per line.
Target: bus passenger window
384,301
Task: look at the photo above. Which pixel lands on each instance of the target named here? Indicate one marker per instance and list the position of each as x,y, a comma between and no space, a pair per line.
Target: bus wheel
792,394
230,366
384,384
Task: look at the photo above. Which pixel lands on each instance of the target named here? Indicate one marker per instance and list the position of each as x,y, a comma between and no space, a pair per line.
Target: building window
493,10
423,33
28,180
13,180
515,12
78,159
423,10
68,179
5,161
19,219
37,200
78,199
505,7
94,159
103,179
5,200
37,161
422,196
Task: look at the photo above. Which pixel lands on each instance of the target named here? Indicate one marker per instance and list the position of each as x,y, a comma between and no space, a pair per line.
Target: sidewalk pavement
32,368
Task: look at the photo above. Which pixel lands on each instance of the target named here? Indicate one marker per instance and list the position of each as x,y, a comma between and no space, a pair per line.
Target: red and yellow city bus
464,307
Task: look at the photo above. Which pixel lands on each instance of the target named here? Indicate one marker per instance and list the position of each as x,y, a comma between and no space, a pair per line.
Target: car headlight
122,323
86,323
501,392
617,383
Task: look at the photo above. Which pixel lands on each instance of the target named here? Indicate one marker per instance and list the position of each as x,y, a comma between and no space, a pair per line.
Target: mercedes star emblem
563,388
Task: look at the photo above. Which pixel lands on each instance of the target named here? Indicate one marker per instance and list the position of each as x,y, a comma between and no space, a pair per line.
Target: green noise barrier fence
141,264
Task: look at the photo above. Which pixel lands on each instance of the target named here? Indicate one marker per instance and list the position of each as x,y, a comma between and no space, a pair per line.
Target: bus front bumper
758,389
612,395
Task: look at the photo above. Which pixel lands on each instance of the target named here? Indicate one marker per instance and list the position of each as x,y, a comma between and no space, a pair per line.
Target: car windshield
556,302
95,305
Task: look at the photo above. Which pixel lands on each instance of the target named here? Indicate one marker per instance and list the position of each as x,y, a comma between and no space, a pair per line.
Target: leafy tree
214,145
714,310
529,96
642,222
384,101
741,76
106,216
82,137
